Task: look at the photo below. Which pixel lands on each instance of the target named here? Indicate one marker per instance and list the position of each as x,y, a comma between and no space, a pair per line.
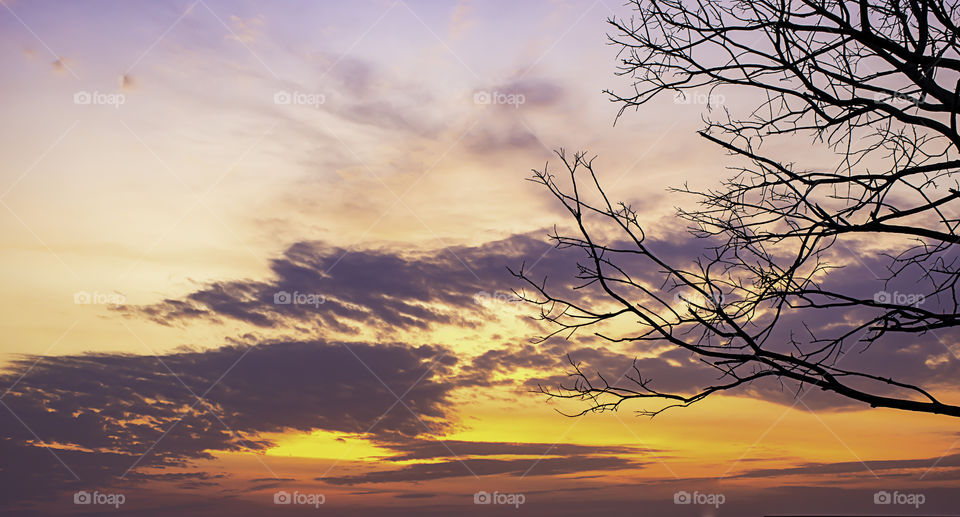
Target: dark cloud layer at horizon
107,413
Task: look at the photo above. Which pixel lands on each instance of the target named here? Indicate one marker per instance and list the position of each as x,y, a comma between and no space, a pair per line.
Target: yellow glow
322,444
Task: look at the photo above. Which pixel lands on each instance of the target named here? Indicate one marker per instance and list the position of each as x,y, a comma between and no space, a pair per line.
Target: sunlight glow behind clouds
200,196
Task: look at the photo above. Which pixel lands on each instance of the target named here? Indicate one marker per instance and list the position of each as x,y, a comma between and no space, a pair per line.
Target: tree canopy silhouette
877,84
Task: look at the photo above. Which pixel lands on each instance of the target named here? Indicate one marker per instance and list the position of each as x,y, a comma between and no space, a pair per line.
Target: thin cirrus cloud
486,467
426,449
947,467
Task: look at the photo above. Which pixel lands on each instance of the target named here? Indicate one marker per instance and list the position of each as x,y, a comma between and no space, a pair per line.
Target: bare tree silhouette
876,83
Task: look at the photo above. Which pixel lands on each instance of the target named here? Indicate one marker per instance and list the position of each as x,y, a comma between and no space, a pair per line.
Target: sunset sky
173,170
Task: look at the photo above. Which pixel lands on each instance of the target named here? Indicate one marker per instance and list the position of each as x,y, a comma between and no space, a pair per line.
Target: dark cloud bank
390,290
